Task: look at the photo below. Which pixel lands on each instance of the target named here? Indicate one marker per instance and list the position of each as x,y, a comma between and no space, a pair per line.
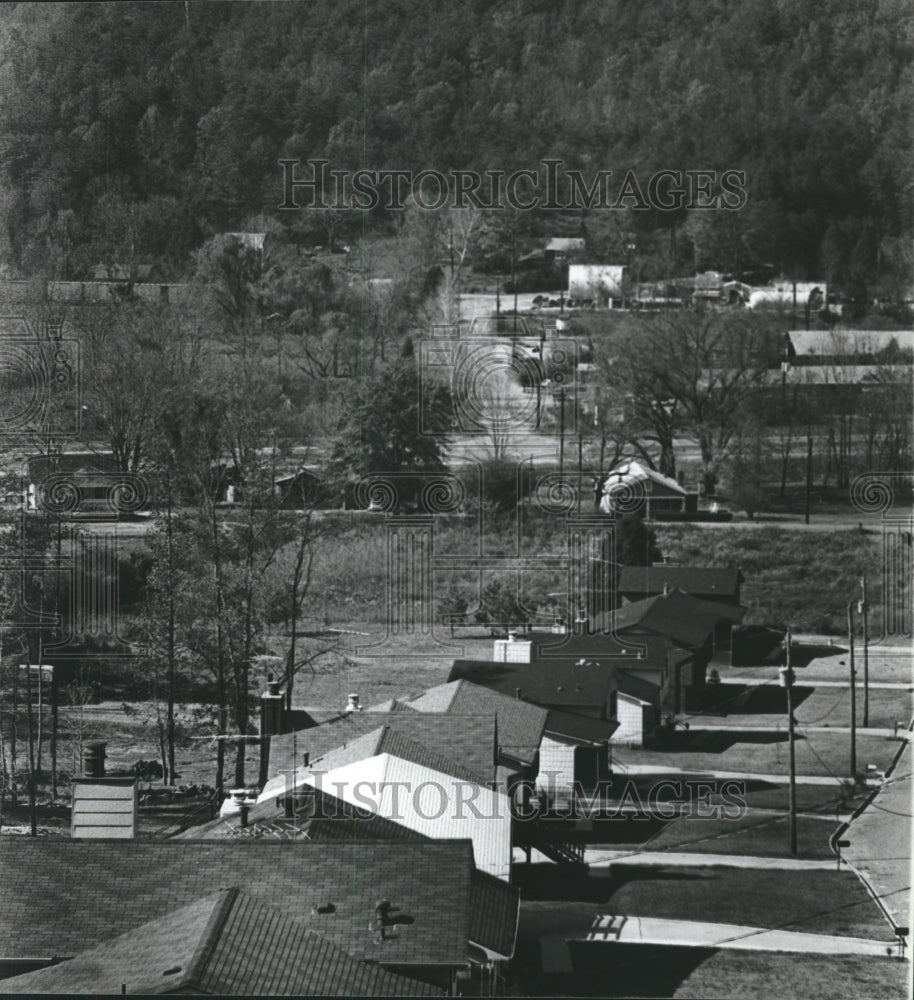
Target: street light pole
853,680
866,654
808,472
580,465
561,431
787,674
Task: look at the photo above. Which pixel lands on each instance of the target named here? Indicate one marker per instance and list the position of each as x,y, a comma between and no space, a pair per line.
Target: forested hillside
136,131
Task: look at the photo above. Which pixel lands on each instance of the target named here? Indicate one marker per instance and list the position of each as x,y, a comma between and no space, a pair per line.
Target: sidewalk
815,682
691,933
596,858
880,843
899,733
775,779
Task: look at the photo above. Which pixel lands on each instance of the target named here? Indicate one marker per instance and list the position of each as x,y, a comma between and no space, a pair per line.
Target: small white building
631,485
602,283
786,293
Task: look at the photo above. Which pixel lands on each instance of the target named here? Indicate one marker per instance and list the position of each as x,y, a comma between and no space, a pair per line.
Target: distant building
789,293
632,487
560,248
710,583
599,283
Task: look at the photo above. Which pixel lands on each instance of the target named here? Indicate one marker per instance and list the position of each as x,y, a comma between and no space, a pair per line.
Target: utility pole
561,431
580,464
787,676
808,471
853,679
866,655
514,281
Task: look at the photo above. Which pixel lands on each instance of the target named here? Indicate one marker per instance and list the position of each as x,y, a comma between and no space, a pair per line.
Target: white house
600,282
631,484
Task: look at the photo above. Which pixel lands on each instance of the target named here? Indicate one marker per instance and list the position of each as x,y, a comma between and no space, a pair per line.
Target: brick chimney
271,704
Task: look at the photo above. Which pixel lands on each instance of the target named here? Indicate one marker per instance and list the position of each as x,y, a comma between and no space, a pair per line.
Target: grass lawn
894,667
821,902
757,833
818,754
823,706
557,908
818,902
741,975
828,706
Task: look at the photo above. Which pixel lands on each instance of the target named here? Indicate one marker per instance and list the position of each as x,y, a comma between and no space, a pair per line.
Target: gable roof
466,741
564,243
495,909
642,651
227,943
547,684
631,686
677,615
579,728
61,896
137,959
436,805
520,724
632,471
708,581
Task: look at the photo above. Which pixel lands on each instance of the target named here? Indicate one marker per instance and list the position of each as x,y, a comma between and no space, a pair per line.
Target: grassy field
819,754
825,706
785,571
804,579
757,833
820,902
740,975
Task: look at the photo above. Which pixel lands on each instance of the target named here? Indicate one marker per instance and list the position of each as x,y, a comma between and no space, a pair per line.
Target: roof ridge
210,936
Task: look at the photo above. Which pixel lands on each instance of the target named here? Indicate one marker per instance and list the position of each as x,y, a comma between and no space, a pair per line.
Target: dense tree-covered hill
136,130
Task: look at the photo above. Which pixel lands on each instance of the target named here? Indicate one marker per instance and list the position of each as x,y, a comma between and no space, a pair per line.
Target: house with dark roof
691,625
224,944
466,742
645,665
580,700
418,909
520,724
720,584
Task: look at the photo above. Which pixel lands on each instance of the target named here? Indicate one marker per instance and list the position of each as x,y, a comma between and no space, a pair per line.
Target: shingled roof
62,896
703,581
520,724
573,685
601,645
466,741
228,943
679,616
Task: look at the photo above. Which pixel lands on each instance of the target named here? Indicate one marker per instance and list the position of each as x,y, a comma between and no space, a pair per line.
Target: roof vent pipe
94,759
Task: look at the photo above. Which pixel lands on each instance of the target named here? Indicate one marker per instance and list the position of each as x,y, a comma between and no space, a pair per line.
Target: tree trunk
171,668
54,720
33,816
